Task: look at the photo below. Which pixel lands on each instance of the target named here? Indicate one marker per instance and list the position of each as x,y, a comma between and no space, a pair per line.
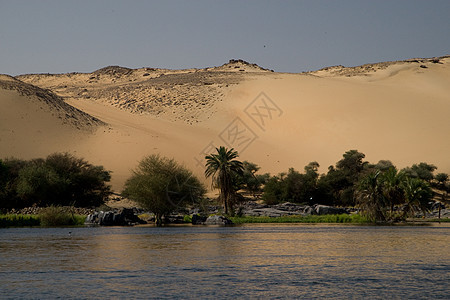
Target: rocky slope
172,94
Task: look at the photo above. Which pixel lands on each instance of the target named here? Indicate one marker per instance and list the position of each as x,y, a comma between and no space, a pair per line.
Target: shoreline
33,221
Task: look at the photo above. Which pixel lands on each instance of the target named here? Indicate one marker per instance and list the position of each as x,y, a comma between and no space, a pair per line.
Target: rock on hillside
177,95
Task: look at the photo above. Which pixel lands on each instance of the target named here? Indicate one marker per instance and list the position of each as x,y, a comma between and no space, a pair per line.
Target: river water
249,261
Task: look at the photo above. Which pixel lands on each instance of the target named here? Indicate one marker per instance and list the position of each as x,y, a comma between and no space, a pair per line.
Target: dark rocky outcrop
329,210
122,217
198,220
287,209
218,220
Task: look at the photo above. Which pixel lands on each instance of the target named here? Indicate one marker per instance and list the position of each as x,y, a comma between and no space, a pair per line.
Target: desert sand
115,116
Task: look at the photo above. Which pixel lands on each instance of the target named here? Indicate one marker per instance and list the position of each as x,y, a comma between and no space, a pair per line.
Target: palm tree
417,195
223,167
370,197
392,182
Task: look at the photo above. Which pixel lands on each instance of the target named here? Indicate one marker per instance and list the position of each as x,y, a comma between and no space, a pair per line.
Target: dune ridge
49,101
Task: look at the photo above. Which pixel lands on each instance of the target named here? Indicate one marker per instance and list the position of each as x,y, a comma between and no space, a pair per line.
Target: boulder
270,212
197,219
122,217
309,210
218,220
329,210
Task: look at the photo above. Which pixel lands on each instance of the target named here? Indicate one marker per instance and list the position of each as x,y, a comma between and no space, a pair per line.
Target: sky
60,36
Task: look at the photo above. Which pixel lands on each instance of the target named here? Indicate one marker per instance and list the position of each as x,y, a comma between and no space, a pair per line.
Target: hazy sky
288,36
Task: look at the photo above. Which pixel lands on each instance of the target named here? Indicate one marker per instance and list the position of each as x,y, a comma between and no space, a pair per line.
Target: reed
343,218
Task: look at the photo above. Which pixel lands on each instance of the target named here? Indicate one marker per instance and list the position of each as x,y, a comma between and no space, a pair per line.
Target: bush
160,185
60,179
57,216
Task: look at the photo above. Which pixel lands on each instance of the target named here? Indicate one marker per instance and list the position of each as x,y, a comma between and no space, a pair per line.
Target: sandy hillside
396,110
35,122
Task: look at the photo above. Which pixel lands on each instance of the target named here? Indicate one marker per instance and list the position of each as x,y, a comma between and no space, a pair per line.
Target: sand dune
395,110
34,122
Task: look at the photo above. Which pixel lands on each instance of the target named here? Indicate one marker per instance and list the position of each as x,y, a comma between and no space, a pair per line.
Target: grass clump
57,216
343,218
187,219
19,220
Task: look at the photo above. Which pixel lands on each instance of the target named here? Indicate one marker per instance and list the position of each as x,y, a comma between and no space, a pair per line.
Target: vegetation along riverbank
70,190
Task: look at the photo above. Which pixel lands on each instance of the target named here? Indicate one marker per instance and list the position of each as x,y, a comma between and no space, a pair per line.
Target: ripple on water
252,261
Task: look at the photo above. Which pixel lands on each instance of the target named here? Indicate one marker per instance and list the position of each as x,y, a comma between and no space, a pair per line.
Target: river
250,261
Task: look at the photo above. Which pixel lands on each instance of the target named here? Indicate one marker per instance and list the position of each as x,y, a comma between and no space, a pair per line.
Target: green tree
384,165
38,184
352,162
441,178
79,182
273,190
293,186
222,167
344,179
249,181
8,183
370,197
161,185
422,170
417,195
62,179
392,185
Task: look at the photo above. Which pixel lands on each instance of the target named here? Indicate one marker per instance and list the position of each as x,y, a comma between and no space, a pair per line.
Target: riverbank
20,220
46,219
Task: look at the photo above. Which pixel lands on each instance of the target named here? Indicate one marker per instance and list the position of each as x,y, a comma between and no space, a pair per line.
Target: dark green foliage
352,162
273,190
346,176
80,183
417,195
160,185
8,183
337,187
223,167
248,180
441,177
38,183
293,186
442,180
371,199
384,165
422,170
60,179
392,182
378,193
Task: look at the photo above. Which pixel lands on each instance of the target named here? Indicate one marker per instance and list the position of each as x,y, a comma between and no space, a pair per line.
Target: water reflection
204,262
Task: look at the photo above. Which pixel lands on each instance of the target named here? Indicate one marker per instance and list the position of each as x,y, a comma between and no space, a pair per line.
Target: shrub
60,179
57,216
160,185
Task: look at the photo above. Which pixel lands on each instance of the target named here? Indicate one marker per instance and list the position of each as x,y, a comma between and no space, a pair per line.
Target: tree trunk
158,220
225,202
